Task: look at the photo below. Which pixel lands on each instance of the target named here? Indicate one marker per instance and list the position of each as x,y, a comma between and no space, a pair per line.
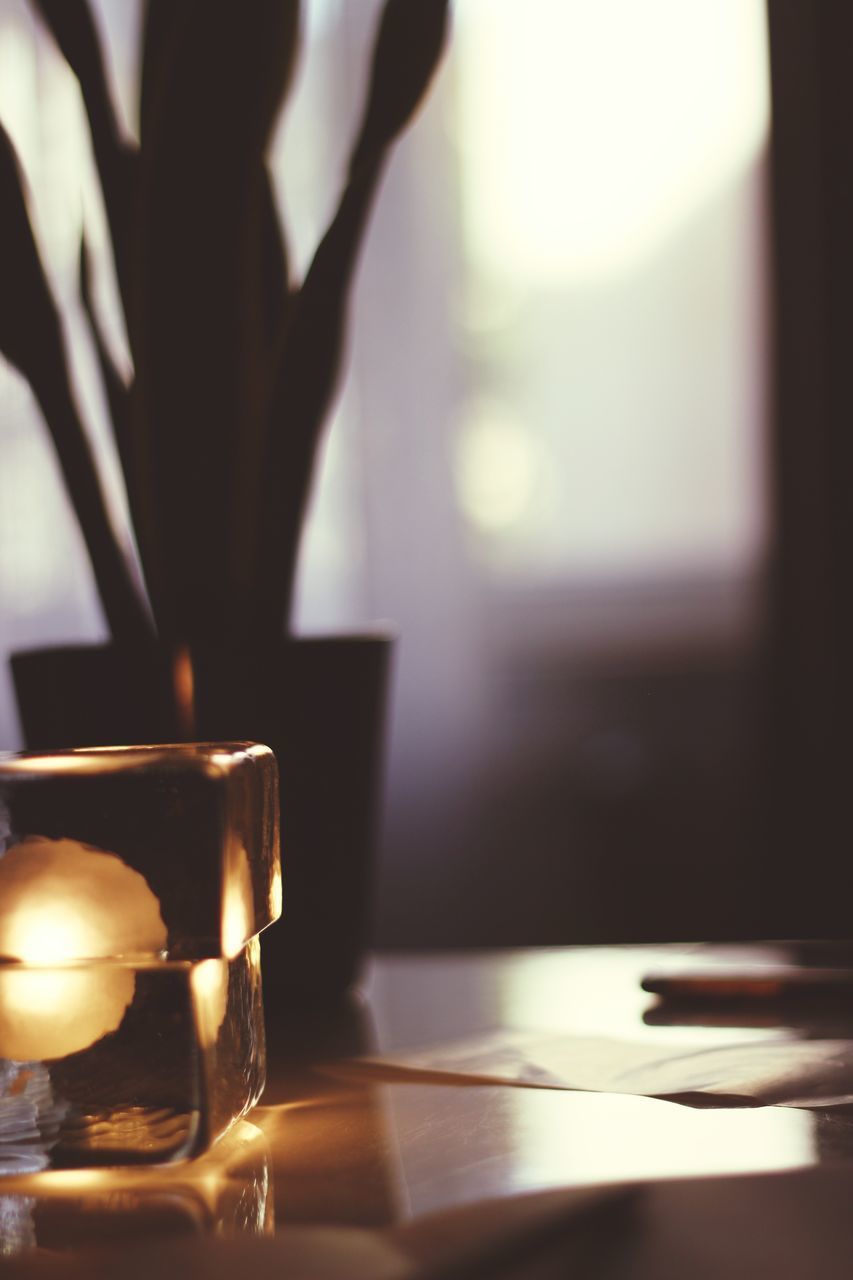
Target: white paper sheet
790,1073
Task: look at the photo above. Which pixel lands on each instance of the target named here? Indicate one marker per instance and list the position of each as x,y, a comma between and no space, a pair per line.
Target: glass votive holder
133,885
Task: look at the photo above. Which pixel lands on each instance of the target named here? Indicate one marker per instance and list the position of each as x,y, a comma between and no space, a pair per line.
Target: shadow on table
334,1157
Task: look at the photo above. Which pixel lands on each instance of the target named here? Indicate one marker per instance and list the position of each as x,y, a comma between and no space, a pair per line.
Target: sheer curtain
545,469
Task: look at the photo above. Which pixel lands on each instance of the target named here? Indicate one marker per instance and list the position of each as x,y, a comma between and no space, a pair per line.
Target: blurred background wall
547,467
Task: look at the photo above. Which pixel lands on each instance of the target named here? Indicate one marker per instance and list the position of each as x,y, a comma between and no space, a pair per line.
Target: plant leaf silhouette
117,392
31,338
407,51
73,28
163,19
408,48
234,369
202,183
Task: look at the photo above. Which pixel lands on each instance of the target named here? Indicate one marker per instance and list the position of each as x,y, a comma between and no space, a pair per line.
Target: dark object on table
761,983
320,705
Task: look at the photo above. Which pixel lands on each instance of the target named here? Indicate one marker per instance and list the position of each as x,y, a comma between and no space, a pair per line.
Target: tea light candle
64,902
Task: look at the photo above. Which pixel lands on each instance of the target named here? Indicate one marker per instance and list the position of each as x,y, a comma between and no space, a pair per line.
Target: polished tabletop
336,1147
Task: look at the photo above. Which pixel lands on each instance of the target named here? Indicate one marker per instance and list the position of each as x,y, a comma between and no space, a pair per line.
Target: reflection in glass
226,1192
47,1014
112,1062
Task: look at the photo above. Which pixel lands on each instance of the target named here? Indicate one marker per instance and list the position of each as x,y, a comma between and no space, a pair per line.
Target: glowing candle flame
63,900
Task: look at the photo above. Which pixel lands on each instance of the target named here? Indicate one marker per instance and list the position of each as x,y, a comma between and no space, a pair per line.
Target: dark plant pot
319,703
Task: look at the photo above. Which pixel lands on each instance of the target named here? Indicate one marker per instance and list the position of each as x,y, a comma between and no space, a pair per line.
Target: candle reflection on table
226,1192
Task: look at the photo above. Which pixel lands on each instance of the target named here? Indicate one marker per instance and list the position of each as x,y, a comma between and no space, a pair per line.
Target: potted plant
234,369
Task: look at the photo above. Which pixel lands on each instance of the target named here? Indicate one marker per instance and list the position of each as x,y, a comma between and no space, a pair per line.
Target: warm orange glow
183,683
47,935
210,989
243,1151
275,893
63,900
89,760
238,908
48,1013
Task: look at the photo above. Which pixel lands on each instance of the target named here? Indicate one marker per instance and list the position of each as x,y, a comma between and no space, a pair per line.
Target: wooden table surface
327,1149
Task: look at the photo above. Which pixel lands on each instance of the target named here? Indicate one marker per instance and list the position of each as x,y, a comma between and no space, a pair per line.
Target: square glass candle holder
133,885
